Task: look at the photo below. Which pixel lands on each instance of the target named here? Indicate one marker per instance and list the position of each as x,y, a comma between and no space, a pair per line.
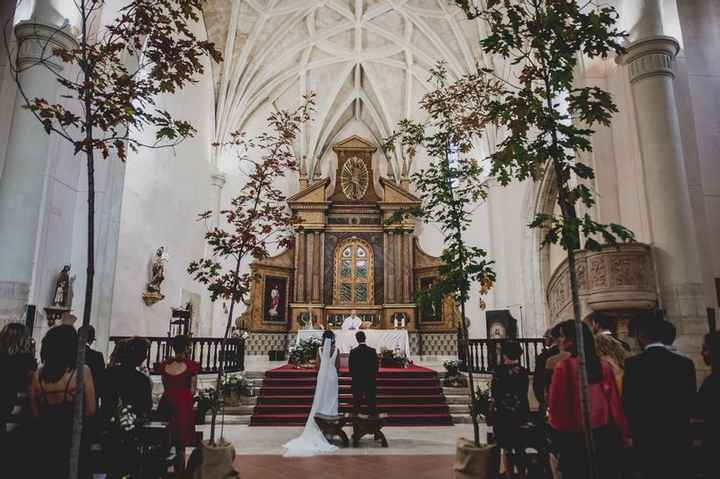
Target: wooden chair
332,426
364,424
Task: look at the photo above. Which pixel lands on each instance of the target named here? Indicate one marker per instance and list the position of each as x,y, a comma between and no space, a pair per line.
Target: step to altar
410,396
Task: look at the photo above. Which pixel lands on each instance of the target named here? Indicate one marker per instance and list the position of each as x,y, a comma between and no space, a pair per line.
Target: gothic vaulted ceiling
367,60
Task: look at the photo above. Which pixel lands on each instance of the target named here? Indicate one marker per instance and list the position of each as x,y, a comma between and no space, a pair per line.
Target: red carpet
410,396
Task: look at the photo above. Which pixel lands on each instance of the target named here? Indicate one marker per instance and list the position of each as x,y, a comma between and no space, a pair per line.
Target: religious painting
430,312
500,324
275,302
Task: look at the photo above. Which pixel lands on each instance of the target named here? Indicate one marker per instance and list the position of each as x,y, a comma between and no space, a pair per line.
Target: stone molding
36,42
614,279
652,56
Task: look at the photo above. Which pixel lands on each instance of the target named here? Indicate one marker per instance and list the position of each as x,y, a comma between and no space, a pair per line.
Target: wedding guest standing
541,377
709,405
609,347
179,378
609,426
658,395
509,387
17,363
126,386
124,383
94,359
52,395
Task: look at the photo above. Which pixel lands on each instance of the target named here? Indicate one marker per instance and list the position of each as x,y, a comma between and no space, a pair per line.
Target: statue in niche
62,295
61,298
153,292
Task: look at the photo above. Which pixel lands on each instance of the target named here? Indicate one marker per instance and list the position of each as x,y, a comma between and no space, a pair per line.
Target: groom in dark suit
363,364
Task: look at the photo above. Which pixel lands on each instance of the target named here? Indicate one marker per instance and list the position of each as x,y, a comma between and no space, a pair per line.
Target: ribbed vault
367,60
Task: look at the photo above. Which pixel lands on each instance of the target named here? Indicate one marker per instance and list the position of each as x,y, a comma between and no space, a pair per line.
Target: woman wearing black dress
509,388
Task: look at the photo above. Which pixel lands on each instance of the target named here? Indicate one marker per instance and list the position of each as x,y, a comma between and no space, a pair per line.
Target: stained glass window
354,273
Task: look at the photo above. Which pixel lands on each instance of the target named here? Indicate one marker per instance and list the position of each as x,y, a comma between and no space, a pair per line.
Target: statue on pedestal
62,296
153,292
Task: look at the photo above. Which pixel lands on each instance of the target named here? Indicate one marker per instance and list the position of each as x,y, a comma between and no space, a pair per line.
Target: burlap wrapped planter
475,462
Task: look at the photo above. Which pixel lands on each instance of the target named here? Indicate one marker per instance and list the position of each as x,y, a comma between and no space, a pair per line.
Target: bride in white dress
312,441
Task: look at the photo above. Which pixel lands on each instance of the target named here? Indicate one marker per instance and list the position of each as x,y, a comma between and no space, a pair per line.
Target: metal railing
485,353
205,351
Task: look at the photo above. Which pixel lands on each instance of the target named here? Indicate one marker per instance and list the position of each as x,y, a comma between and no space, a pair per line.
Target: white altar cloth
375,338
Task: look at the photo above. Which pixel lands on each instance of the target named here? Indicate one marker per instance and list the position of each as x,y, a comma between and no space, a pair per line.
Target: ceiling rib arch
367,60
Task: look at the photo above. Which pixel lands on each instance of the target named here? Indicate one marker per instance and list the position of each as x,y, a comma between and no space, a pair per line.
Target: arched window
353,273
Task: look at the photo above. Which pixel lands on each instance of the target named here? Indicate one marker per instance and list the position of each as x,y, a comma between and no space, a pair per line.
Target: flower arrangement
124,424
453,377
393,358
482,404
233,387
304,354
206,400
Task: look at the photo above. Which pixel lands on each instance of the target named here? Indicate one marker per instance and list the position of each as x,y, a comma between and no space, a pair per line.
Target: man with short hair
94,360
363,365
658,396
541,377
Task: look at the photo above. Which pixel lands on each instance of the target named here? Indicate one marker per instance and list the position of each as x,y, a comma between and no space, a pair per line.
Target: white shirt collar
655,345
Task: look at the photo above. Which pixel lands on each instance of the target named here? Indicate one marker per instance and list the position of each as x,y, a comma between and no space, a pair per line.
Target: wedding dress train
312,441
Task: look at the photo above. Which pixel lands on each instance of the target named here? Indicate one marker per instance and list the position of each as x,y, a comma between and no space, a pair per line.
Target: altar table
375,338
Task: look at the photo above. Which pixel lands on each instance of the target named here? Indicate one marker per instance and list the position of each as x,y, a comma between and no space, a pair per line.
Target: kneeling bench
364,424
332,426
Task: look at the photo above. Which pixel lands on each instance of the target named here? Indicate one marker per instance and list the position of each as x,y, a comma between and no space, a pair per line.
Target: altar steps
410,396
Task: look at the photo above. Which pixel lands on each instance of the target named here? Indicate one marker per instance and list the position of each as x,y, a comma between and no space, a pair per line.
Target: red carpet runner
411,397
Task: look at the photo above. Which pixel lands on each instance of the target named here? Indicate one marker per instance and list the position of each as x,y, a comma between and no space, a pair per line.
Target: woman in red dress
179,377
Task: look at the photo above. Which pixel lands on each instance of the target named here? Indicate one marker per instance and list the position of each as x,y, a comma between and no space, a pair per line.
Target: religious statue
62,297
62,288
153,292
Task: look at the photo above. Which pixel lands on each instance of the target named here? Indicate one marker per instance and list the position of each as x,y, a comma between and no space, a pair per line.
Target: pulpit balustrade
205,351
485,353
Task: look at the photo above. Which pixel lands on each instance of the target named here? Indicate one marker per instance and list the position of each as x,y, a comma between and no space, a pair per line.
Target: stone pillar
218,181
390,267
318,252
23,181
650,64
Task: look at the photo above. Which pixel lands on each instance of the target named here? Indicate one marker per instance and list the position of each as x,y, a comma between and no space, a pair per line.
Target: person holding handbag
609,425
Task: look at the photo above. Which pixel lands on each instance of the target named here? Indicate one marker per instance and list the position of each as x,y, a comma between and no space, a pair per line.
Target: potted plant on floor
256,223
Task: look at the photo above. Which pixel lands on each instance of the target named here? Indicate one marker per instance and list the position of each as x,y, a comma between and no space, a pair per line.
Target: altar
352,254
375,338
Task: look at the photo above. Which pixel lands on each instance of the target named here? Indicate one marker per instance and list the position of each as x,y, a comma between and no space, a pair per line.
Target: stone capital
651,56
36,43
218,180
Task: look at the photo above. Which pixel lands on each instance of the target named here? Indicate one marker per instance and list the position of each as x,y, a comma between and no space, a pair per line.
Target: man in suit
363,365
541,378
658,396
95,361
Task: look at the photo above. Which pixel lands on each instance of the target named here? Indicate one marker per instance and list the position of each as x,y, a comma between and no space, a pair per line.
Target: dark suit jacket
363,365
658,396
541,378
133,387
96,363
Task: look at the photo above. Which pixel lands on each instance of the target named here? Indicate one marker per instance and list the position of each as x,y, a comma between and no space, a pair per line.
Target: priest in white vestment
352,322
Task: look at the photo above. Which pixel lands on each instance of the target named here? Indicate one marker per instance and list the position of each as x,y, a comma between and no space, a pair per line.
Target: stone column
23,181
318,252
218,182
390,267
650,65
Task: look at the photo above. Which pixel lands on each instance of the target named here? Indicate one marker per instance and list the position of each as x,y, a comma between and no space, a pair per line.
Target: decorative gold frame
371,271
352,191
